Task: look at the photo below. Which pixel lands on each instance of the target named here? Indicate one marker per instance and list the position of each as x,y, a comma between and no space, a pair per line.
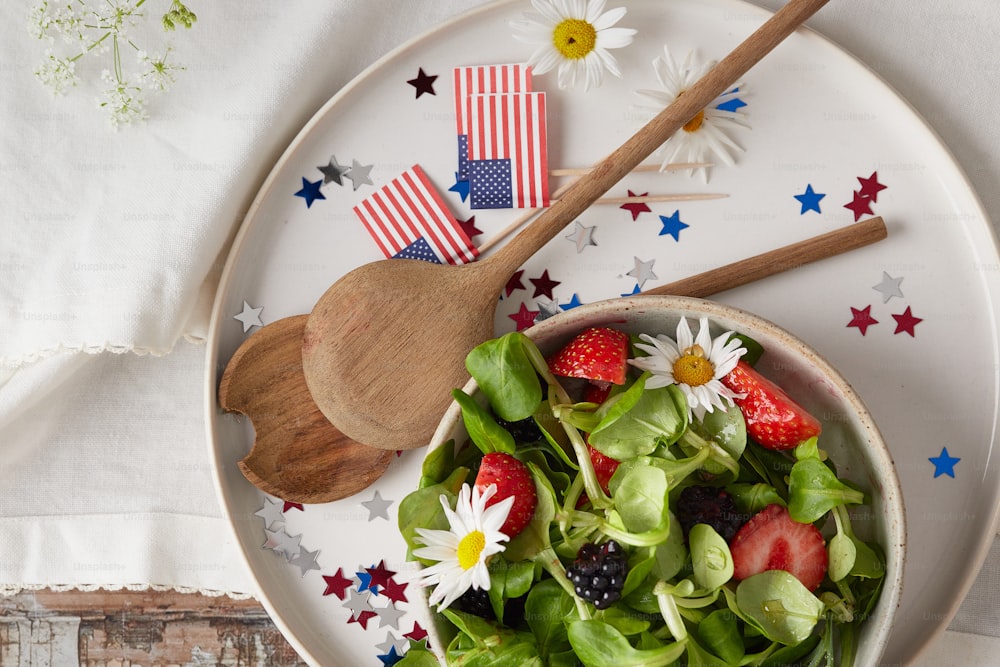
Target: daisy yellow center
574,38
470,548
694,124
693,368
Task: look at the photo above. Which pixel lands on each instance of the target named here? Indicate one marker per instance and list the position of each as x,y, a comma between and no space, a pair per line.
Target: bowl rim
890,493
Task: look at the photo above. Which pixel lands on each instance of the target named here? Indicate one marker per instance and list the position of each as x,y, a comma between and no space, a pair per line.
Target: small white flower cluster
103,28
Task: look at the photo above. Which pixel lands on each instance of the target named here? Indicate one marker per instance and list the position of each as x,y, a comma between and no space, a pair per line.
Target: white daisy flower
463,551
705,137
695,365
574,35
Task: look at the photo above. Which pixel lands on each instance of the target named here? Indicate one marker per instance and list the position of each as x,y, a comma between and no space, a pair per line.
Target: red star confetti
860,205
292,506
514,283
635,208
469,227
543,285
380,574
862,319
362,618
905,321
395,591
870,187
424,83
524,318
417,633
337,584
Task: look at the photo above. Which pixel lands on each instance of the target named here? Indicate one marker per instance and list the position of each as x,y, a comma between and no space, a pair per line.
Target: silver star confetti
358,602
359,174
282,543
546,308
889,287
643,271
334,171
391,641
271,513
305,560
582,236
377,507
389,615
249,317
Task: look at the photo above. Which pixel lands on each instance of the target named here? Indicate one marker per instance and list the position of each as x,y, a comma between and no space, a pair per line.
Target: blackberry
598,573
524,430
475,601
709,505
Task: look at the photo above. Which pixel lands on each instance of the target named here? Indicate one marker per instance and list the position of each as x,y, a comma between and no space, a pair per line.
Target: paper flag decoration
508,155
407,218
482,79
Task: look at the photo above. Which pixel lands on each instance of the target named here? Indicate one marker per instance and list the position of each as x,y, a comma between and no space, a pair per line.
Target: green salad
637,500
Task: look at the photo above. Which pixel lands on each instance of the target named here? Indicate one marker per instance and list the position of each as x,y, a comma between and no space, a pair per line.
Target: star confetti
394,590
337,584
673,225
250,317
282,543
417,633
905,321
944,463
543,285
582,236
392,642
870,187
377,507
357,602
524,317
363,617
889,287
271,513
572,303
461,187
423,82
635,290
305,560
390,658
359,174
810,200
635,208
365,582
389,615
380,574
334,171
514,283
862,319
469,227
860,206
310,191
642,272
292,506
546,309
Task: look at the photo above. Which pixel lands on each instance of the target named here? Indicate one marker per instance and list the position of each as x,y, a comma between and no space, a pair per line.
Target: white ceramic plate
819,119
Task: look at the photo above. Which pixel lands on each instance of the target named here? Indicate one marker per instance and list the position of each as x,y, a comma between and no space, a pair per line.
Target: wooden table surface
138,629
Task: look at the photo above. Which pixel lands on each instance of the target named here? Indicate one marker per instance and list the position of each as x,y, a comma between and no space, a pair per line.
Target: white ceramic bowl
849,433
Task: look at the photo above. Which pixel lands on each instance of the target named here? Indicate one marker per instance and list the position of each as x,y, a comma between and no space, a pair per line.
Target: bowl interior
849,433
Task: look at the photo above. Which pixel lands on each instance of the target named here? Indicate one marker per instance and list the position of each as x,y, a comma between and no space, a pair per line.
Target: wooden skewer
651,199
673,166
776,261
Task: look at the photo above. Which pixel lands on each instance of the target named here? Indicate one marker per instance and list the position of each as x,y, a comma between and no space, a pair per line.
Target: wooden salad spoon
385,345
299,456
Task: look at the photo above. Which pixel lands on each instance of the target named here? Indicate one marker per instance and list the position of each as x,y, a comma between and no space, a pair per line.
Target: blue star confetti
572,303
810,200
672,225
391,658
944,463
310,191
461,187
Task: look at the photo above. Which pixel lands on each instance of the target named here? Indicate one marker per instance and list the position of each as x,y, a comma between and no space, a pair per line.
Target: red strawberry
512,479
772,540
598,354
604,466
773,418
596,392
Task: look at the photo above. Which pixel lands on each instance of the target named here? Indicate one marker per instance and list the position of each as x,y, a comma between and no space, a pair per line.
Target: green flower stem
550,562
668,610
715,451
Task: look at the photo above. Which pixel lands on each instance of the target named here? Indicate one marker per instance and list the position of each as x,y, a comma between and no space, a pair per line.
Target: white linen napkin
112,242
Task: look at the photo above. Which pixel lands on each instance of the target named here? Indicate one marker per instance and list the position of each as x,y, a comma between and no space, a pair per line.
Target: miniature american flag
408,219
482,79
508,154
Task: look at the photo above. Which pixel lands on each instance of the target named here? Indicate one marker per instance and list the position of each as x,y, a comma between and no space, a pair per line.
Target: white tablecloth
111,242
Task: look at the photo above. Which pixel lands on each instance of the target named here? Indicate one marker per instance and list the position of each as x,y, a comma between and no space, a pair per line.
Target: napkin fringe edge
7,590
14,362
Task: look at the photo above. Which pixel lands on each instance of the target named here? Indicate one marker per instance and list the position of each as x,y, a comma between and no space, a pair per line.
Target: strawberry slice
773,419
512,478
772,540
598,354
604,466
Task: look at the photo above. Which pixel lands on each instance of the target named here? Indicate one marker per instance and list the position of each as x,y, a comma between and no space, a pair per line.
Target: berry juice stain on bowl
652,479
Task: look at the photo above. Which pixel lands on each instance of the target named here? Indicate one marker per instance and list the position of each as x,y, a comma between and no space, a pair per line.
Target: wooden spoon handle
775,261
583,192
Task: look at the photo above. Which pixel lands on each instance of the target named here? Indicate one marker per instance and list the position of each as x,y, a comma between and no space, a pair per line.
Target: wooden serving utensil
297,455
384,346
300,457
